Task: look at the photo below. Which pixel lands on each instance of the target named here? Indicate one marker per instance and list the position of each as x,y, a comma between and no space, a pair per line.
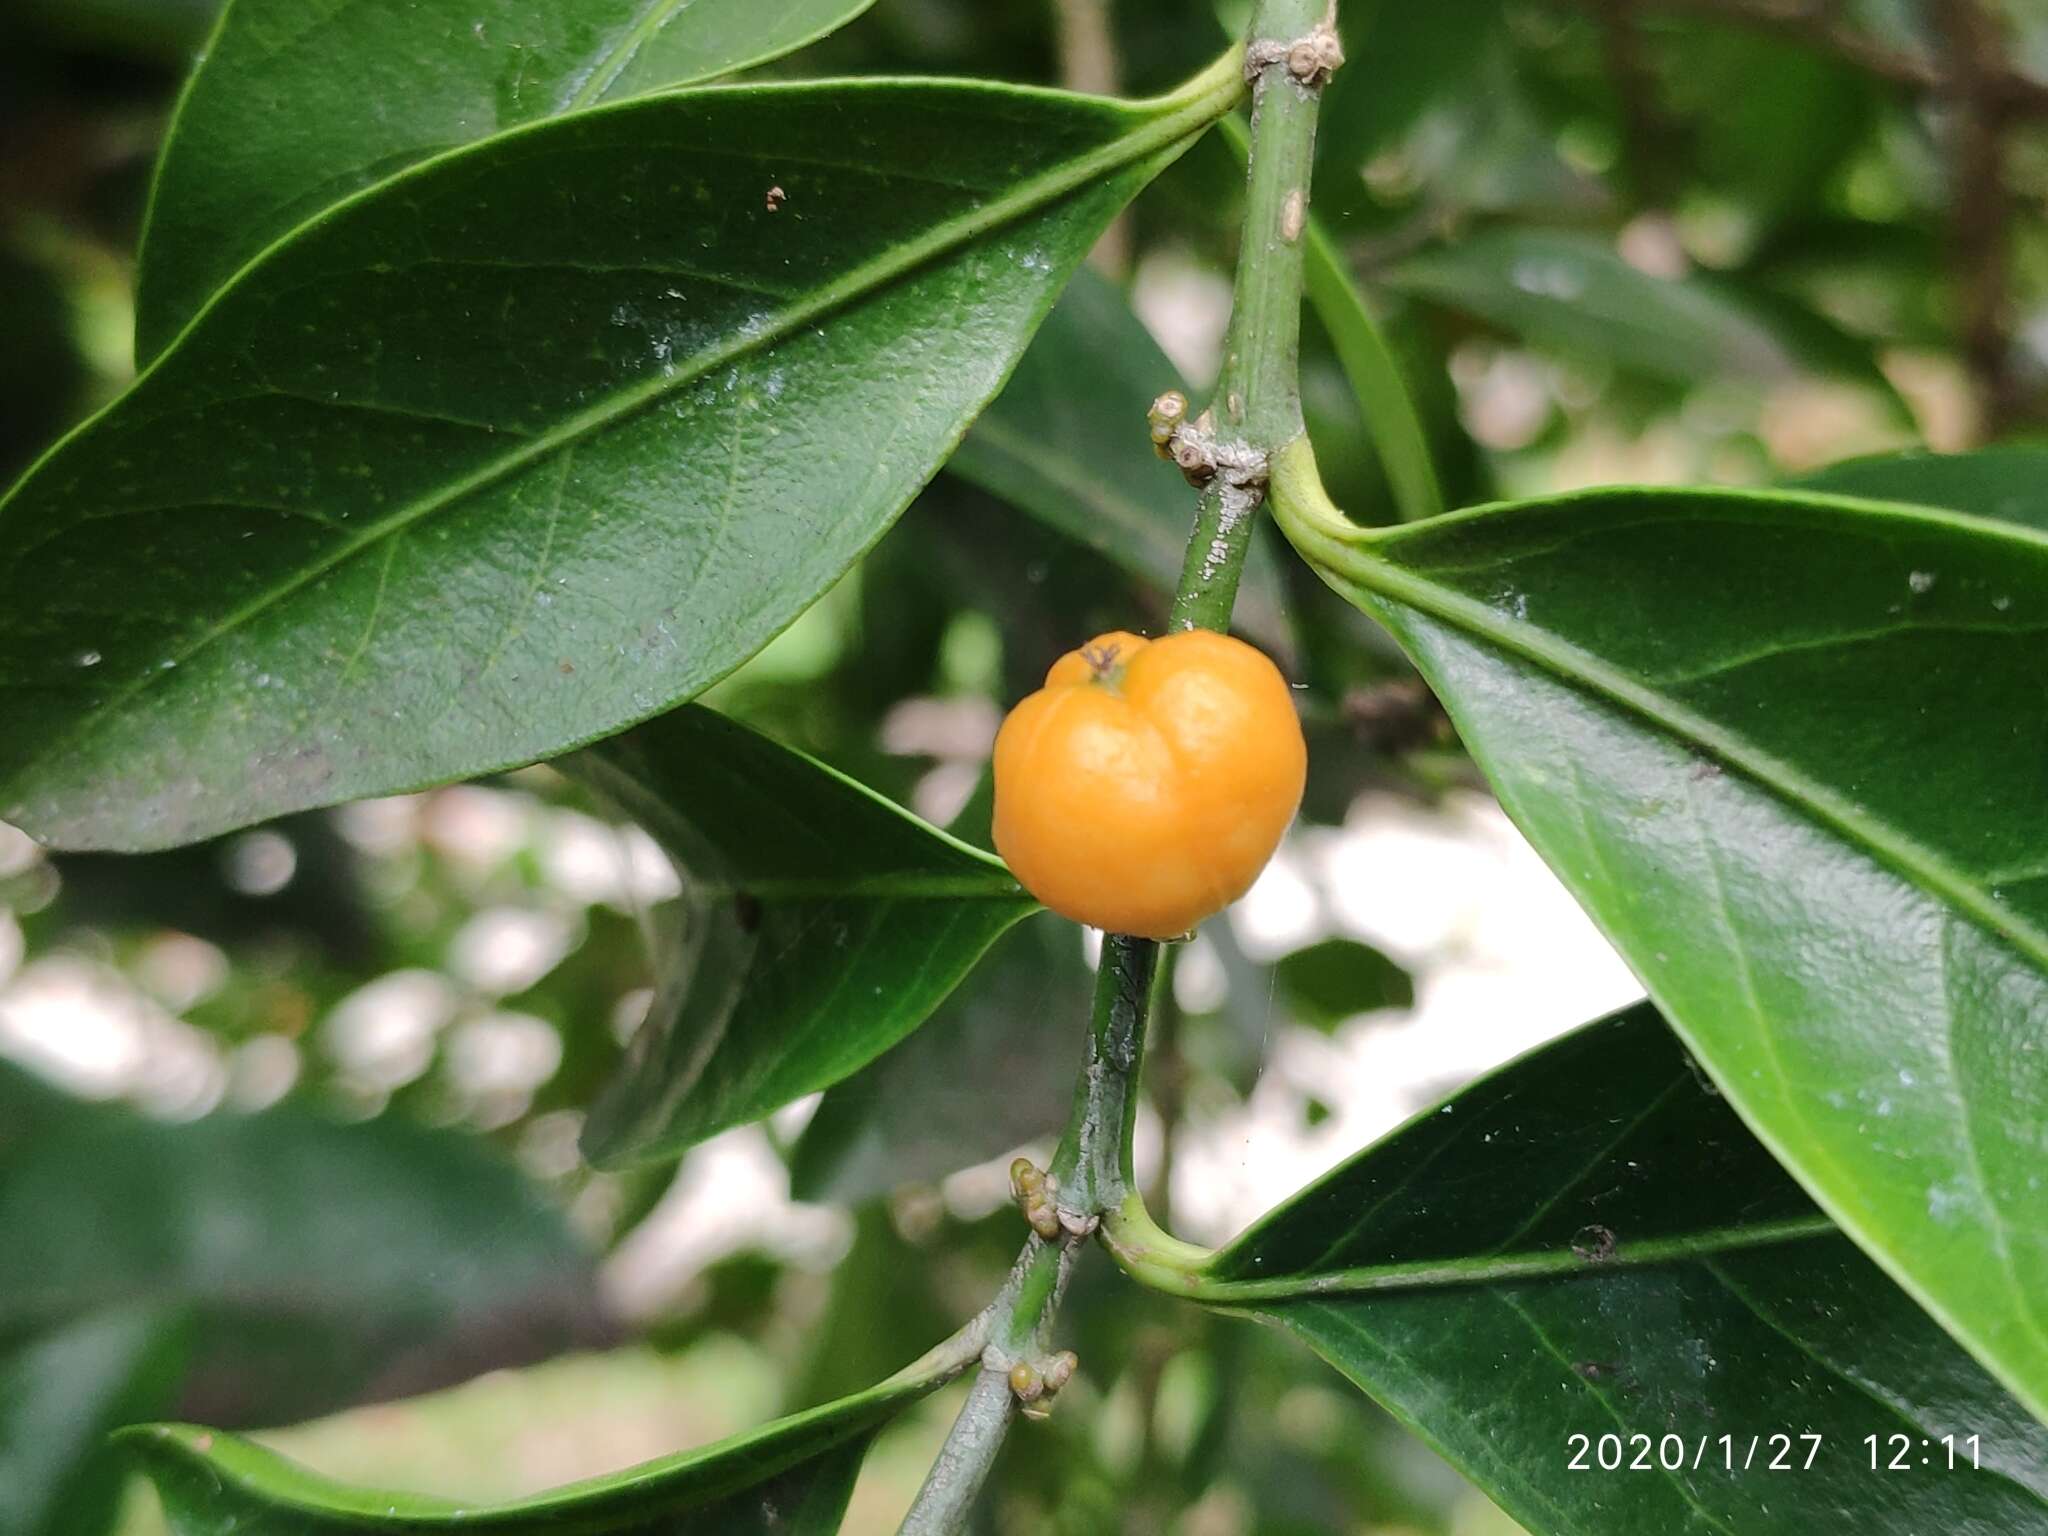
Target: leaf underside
61,1392
791,1478
1576,292
820,924
338,1251
992,1069
276,1264
1700,1295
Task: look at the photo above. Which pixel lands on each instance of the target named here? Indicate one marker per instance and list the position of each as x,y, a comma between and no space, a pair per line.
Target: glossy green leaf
993,1068
1330,981
2010,484
1590,1243
819,925
298,103
1787,750
1066,441
532,440
60,1395
789,1478
1576,293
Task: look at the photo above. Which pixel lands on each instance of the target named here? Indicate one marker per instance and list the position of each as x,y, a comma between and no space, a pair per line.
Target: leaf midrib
604,71
611,66
642,796
1503,1268
1622,1421
1177,117
1577,668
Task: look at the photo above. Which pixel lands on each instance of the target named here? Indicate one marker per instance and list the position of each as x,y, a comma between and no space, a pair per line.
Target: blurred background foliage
288,1121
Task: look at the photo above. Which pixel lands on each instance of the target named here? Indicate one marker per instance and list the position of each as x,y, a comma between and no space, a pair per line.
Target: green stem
965,1460
1258,396
1093,1164
1164,1263
1258,409
1398,435
1092,1169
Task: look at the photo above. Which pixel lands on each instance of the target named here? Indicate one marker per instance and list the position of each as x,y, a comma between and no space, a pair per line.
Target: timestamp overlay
1767,1451
1737,1482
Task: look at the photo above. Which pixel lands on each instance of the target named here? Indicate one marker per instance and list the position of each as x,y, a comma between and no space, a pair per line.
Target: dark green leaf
1590,1242
60,1395
1460,122
43,388
299,103
531,441
1787,750
820,924
1066,442
993,1068
790,1478
1365,108
312,1258
1774,124
2010,484
1576,293
1329,982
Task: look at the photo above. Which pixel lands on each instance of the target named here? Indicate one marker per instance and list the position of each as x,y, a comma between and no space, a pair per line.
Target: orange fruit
1148,782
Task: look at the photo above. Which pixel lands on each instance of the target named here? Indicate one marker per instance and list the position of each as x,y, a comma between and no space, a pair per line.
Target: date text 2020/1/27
1784,1451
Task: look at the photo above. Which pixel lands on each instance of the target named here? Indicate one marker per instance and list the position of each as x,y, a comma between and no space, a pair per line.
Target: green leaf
60,1395
311,1258
1375,377
1774,124
532,440
1787,750
790,1478
298,103
1329,982
820,924
1576,293
2010,484
1365,110
1066,442
1589,1242
992,1068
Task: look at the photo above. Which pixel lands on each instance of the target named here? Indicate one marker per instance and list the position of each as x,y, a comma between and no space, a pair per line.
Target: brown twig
1981,209
1644,131
1088,62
